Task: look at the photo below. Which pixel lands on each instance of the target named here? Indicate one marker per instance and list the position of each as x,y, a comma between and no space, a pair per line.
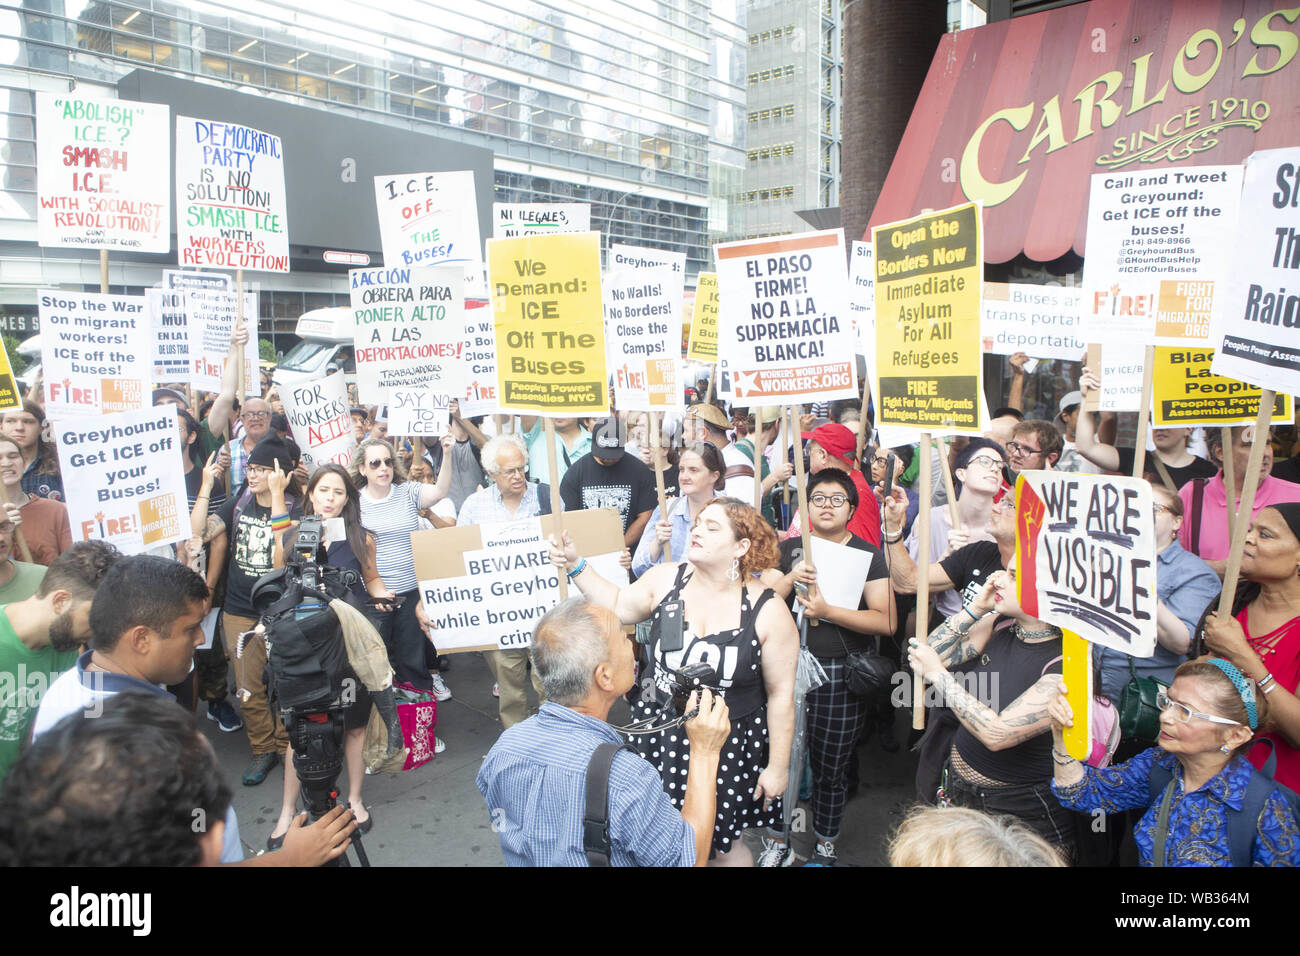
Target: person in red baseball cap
833,446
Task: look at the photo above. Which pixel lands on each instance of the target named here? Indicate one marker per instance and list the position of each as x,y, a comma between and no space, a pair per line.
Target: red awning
1021,113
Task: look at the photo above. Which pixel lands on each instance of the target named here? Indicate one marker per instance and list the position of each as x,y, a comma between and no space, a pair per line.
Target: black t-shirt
968,568
1288,469
249,548
1199,468
628,486
828,640
194,482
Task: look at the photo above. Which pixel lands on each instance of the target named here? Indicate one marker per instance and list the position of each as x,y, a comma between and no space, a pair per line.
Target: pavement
435,816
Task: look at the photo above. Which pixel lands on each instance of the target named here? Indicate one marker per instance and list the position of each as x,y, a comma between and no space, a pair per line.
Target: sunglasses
378,462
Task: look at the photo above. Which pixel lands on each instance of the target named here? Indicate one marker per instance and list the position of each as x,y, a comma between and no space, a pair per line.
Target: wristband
898,536
577,569
280,522
1057,757
973,616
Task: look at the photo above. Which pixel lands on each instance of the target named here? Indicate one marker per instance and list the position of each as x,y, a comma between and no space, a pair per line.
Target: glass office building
635,107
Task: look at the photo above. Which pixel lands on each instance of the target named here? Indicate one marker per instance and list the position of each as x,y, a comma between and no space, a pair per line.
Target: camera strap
595,819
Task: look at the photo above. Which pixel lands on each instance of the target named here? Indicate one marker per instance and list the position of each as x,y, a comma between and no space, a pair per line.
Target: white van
326,347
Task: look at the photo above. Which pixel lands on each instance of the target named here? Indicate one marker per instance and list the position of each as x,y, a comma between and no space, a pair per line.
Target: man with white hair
535,777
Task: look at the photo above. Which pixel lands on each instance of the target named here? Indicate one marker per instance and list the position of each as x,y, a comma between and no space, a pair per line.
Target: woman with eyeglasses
390,510
836,715
1000,759
1205,804
700,471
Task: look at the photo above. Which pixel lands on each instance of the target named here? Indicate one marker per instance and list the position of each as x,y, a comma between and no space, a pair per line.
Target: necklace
1036,637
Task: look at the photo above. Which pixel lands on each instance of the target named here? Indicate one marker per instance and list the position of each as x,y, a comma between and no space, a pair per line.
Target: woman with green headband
1206,805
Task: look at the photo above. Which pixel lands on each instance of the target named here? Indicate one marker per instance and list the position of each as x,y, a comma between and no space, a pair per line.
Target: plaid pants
836,717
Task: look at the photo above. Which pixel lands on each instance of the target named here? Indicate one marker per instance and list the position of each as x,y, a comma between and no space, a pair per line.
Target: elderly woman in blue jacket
1194,781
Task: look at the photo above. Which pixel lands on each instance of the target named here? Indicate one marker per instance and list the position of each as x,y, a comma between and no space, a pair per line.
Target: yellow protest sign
703,346
1187,393
548,317
9,397
929,271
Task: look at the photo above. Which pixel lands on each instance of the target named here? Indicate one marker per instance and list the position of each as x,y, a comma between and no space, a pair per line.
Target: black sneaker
225,716
258,768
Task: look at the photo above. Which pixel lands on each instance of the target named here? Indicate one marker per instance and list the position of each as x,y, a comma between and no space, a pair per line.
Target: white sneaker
824,855
439,745
775,854
496,690
440,690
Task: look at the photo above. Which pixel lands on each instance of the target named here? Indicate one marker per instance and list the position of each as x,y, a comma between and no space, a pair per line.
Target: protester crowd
715,575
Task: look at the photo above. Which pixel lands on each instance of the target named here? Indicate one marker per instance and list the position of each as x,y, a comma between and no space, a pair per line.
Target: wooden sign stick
922,579
1144,414
557,506
785,450
953,516
1163,470
103,271
801,491
1229,479
713,374
1249,485
758,459
655,445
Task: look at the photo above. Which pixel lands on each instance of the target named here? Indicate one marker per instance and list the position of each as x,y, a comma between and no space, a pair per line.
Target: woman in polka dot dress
730,623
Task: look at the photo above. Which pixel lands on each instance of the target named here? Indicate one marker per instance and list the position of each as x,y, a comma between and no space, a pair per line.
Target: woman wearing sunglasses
1196,785
390,510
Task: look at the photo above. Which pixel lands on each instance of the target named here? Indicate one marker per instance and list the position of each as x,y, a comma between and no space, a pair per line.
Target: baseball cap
836,439
607,440
1069,400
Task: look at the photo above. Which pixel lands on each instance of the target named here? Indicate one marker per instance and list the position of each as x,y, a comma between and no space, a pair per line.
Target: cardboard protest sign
103,173
431,219
124,478
230,197
929,274
1043,321
862,298
410,330
212,316
486,586
548,323
643,304
95,353
784,334
1255,339
9,397
1120,371
1156,253
703,343
1086,557
319,419
513,219
480,358
1187,392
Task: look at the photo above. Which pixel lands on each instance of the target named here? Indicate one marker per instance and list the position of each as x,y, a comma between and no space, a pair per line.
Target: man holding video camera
534,778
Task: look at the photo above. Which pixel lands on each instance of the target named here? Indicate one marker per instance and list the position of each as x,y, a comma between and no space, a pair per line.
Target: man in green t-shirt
41,636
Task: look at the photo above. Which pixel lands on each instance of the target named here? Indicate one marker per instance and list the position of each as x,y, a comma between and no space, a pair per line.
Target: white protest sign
1086,556
511,219
95,352
431,219
410,330
1256,338
418,411
643,328
320,420
168,318
124,478
103,173
841,571
480,358
784,335
212,316
230,197
862,298
1041,320
1156,253
183,280
1121,378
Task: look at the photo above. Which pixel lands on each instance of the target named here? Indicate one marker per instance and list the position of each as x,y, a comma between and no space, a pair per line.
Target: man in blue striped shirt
534,777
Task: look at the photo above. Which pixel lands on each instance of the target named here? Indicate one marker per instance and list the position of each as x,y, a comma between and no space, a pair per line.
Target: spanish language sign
703,343
1156,253
784,333
480,358
513,219
928,299
1256,337
549,326
319,420
124,478
486,586
431,219
171,338
1188,393
103,173
95,353
1086,557
643,305
212,316
410,330
1043,321
230,197
862,298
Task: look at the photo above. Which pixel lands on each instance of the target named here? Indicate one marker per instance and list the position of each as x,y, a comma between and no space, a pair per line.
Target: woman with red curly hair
711,609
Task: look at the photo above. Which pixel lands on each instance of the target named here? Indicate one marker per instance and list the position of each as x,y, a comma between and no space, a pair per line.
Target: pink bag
417,712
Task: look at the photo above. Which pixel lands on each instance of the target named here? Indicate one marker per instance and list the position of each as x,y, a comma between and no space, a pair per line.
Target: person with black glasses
1035,446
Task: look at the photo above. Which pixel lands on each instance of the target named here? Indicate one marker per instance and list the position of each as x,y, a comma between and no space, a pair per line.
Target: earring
1226,749
733,572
